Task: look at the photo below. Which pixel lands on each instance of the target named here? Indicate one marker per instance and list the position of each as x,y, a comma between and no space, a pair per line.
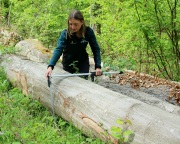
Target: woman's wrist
50,66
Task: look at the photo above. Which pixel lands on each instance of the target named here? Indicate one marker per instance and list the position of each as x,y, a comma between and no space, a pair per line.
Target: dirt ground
151,90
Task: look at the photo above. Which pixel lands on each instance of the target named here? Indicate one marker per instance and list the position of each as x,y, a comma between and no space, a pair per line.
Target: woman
72,44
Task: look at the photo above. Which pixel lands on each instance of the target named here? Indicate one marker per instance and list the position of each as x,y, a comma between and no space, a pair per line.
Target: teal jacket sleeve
95,49
62,42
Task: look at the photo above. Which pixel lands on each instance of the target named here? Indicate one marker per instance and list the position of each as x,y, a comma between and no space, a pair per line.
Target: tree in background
159,23
141,35
4,11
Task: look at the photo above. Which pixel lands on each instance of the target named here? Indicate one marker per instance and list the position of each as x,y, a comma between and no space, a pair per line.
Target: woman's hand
48,72
98,72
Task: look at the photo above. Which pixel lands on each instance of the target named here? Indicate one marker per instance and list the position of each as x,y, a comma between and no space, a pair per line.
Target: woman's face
75,25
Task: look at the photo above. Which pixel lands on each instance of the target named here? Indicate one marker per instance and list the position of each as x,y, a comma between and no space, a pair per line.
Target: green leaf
16,143
127,132
88,139
119,121
117,136
126,139
116,129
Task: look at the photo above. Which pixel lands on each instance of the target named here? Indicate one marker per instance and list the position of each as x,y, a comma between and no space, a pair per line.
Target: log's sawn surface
90,107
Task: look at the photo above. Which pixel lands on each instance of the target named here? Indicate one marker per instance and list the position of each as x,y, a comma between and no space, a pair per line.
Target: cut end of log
37,45
33,50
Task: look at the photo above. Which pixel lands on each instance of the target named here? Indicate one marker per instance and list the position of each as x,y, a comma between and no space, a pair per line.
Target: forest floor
149,89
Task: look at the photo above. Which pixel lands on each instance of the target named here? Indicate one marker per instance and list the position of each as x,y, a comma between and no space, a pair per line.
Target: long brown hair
77,15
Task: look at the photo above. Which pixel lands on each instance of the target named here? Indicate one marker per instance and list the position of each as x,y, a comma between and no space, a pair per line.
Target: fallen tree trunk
91,107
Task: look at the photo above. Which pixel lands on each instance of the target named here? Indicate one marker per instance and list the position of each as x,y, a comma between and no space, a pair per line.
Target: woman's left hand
98,72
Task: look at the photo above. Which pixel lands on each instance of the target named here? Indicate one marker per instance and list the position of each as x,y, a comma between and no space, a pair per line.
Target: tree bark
90,107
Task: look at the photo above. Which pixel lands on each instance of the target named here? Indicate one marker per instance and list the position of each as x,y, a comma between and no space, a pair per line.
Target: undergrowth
24,120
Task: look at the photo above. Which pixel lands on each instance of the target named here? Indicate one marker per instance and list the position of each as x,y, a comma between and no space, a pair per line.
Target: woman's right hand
48,72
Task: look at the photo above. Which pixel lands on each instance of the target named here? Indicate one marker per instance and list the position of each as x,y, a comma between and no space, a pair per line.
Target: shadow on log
90,107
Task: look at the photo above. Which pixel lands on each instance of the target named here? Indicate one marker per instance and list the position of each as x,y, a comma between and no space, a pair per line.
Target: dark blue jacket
74,49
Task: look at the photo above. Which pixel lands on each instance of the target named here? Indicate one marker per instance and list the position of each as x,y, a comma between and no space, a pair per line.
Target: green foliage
138,35
7,50
25,120
5,85
162,48
120,132
74,66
